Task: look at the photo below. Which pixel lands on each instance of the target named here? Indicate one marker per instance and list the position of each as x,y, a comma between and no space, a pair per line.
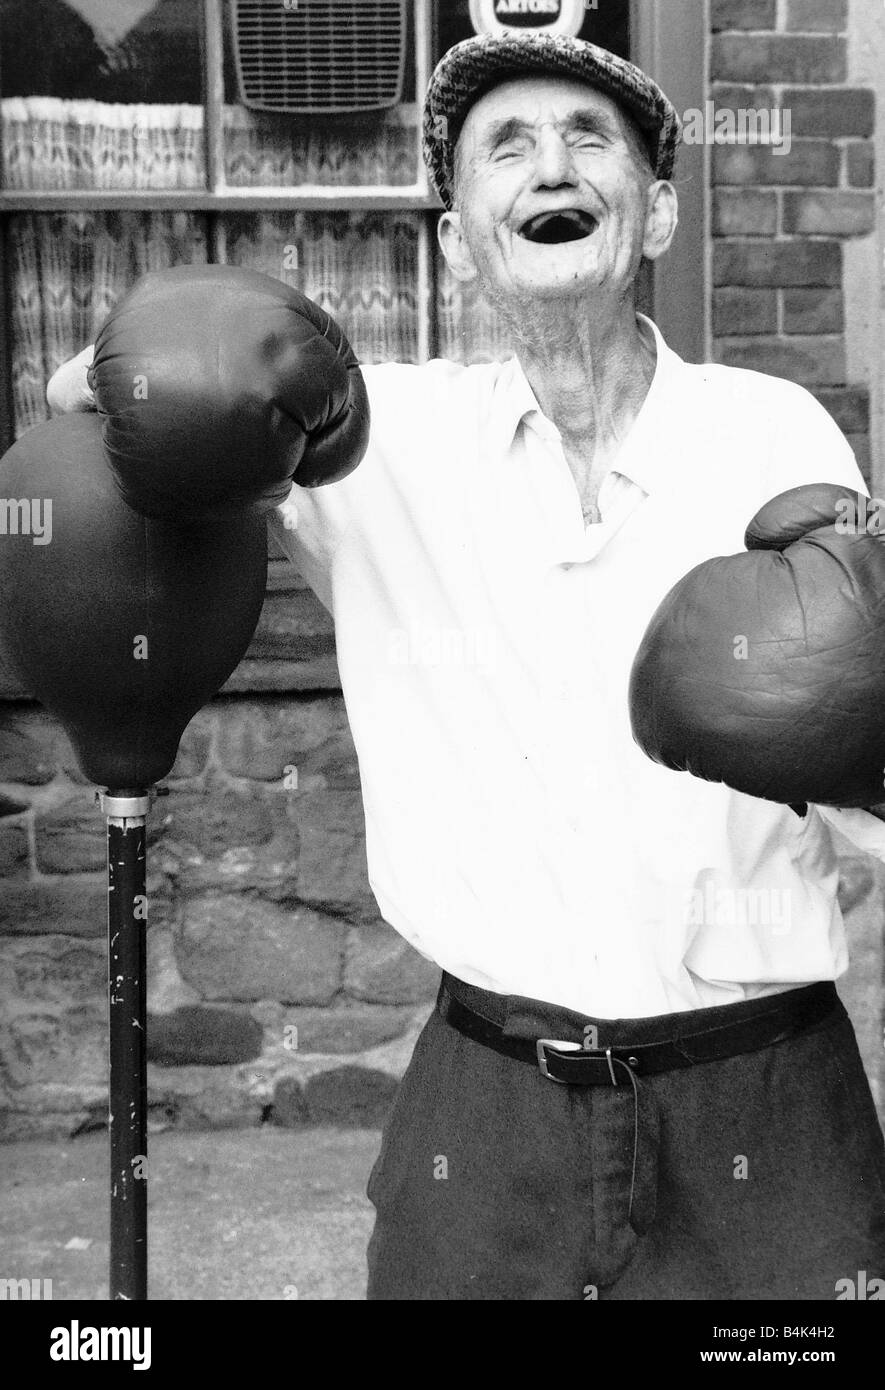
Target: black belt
579,1060
575,1052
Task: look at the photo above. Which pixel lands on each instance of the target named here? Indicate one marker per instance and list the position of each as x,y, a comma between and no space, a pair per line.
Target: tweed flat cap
473,67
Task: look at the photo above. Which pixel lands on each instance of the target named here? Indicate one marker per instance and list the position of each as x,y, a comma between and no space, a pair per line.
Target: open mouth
552,228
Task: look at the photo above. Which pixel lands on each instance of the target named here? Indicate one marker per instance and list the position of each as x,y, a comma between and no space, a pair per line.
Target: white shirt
515,832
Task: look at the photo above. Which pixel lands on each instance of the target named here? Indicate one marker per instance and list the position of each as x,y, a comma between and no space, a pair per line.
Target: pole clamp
128,807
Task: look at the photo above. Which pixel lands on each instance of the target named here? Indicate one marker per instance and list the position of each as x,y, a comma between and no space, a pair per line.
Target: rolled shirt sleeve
864,830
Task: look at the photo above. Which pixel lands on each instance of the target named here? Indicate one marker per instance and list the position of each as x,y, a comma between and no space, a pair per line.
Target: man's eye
588,141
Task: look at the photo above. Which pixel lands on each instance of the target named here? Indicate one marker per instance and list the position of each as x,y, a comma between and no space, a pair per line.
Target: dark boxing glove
220,386
766,670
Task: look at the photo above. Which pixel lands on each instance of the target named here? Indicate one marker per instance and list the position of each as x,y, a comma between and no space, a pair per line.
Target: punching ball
123,627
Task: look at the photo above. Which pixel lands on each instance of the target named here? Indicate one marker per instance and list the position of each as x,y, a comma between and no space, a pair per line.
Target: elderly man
638,1082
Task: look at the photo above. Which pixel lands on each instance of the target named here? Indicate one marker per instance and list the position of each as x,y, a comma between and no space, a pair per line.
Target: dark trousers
759,1176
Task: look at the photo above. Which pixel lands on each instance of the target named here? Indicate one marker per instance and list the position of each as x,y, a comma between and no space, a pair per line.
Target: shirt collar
514,401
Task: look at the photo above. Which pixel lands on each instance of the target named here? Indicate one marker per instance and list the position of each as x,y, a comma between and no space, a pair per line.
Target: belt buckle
558,1043
596,1052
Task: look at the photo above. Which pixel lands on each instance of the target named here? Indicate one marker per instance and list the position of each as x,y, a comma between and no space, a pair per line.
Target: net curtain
68,269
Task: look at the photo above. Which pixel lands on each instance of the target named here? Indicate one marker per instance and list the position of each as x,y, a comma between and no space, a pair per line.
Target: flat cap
473,67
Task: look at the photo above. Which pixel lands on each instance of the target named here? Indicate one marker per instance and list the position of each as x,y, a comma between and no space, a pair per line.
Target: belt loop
611,1066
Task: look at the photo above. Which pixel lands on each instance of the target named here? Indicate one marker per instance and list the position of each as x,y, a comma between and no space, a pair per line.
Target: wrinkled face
553,192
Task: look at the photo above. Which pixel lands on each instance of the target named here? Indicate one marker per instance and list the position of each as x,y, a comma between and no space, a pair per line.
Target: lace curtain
68,269
51,143
360,267
67,272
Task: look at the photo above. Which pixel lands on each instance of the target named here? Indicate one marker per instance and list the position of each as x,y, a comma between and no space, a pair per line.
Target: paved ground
236,1214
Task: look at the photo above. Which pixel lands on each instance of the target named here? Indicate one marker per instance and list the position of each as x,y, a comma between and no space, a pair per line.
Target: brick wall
780,220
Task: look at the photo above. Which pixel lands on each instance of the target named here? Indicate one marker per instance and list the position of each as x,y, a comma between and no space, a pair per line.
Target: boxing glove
218,386
766,670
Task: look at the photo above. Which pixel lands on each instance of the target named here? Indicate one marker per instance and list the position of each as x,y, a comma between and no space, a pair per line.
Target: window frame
218,195
670,39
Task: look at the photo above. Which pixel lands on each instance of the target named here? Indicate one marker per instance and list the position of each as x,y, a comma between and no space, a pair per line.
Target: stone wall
275,992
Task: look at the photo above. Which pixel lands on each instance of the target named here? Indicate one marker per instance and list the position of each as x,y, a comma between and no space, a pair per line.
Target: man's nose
553,161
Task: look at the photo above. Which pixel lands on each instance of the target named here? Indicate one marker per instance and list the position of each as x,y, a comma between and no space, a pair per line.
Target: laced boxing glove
766,670
219,386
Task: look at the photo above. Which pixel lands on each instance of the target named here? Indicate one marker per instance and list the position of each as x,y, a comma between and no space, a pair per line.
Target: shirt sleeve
299,533
865,831
67,388
811,448
309,525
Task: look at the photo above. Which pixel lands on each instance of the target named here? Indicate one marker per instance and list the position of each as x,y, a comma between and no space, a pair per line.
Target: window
138,134
99,94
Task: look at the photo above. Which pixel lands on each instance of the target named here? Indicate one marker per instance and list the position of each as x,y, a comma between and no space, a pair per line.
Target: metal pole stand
126,813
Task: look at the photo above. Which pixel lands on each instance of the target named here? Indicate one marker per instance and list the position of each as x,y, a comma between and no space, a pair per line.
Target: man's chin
555,280
572,287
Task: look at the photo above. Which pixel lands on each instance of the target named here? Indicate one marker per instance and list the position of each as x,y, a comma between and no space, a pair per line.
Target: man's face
553,195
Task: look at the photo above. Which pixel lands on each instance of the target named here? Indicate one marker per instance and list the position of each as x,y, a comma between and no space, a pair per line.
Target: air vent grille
319,55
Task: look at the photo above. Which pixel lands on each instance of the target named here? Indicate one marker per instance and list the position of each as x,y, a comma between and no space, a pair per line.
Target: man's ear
453,245
661,219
